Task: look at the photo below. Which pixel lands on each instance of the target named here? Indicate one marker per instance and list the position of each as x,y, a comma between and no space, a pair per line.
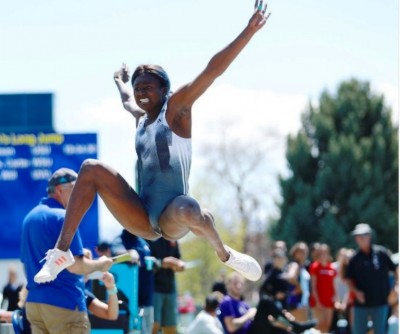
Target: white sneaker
243,264
56,261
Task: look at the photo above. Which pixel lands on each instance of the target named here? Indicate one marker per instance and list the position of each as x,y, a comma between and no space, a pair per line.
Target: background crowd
351,291
304,288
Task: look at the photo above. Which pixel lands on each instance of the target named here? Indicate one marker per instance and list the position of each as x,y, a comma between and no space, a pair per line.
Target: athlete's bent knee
89,164
187,209
92,168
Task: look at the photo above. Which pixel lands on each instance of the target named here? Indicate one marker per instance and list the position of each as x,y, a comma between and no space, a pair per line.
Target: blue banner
27,160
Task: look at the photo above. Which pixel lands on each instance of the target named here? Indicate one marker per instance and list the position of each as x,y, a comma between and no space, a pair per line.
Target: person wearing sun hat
368,277
361,229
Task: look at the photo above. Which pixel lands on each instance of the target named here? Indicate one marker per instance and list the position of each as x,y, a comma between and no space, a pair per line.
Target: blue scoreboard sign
27,160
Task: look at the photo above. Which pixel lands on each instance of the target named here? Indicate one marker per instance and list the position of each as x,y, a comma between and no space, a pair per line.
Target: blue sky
72,49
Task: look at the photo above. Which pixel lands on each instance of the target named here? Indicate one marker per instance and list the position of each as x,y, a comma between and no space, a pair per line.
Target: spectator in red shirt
322,299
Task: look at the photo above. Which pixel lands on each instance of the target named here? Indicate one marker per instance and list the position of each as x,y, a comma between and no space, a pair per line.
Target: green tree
343,166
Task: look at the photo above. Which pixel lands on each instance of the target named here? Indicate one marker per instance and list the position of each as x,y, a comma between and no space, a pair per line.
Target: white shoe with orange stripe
56,261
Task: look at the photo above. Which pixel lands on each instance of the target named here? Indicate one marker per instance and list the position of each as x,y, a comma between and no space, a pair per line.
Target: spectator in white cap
368,276
362,229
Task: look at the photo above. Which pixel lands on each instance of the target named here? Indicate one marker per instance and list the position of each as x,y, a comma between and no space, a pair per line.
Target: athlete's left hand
259,17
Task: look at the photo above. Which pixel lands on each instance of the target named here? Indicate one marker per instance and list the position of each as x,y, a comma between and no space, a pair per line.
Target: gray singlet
164,161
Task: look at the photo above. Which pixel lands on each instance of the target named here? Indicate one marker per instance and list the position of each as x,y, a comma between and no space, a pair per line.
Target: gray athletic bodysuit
164,161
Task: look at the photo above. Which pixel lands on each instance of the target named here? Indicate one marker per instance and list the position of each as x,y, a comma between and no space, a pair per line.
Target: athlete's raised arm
182,100
122,78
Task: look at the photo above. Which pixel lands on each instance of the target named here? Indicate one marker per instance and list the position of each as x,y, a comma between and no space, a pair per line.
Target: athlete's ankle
61,247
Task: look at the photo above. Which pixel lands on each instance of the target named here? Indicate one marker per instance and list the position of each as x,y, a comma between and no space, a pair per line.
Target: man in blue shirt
58,306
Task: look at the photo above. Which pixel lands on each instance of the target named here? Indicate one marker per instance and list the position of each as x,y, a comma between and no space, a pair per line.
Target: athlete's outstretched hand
259,17
123,74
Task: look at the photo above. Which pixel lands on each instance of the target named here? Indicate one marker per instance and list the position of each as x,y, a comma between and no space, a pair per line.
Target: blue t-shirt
231,307
40,231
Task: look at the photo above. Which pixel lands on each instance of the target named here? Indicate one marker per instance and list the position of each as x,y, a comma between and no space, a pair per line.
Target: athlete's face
148,92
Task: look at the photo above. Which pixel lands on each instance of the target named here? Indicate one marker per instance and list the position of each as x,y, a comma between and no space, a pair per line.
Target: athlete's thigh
123,202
